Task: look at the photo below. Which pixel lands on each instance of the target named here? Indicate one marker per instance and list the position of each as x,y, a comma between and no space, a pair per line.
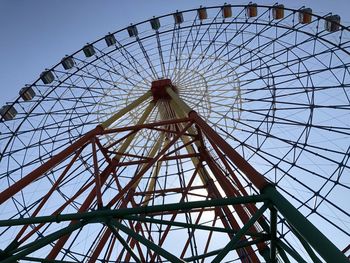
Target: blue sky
36,34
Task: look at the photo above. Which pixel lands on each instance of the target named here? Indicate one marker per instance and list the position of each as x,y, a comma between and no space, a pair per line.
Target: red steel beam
175,190
230,190
191,234
104,175
49,193
209,237
111,247
147,166
253,175
57,211
35,174
145,126
103,240
175,213
98,185
229,218
251,207
103,150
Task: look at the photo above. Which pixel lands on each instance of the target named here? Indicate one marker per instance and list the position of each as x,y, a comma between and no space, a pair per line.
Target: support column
305,228
35,174
253,175
324,247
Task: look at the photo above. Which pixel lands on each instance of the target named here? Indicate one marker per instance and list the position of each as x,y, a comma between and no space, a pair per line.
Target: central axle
158,89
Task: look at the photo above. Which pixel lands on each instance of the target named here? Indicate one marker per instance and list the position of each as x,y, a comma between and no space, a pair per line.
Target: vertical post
116,158
273,233
239,234
324,247
98,185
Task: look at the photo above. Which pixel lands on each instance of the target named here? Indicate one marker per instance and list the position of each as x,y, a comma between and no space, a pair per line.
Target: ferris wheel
217,134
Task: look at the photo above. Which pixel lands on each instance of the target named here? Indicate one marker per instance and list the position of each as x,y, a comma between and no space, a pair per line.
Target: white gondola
89,50
332,23
110,40
132,30
8,112
27,93
47,77
67,62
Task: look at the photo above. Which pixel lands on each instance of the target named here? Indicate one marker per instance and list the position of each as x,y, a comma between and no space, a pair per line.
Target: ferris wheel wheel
217,134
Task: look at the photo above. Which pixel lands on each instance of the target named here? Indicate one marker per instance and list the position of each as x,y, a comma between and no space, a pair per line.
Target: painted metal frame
190,125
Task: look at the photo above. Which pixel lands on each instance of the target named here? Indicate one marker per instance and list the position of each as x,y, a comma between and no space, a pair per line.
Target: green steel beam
217,251
266,254
119,213
291,252
38,244
124,243
193,226
157,249
307,247
44,260
239,234
304,230
273,232
283,255
324,247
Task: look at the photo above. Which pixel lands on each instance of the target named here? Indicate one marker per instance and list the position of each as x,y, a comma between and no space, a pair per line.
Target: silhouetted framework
186,144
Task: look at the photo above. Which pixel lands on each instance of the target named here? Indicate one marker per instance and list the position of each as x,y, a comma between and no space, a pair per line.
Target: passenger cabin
8,112
132,31
178,17
47,77
202,13
226,11
110,40
252,10
278,11
155,24
67,62
27,93
88,50
332,23
305,15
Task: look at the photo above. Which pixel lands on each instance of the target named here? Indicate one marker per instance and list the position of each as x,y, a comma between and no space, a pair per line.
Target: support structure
129,197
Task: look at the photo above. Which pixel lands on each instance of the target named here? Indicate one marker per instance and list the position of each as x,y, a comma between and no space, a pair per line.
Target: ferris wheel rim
306,127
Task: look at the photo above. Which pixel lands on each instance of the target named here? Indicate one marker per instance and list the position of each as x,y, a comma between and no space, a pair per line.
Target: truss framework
249,221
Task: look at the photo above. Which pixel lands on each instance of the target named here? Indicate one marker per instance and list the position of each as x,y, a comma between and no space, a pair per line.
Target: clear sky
36,34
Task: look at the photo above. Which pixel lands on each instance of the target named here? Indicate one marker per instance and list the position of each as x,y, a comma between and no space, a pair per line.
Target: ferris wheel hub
158,89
